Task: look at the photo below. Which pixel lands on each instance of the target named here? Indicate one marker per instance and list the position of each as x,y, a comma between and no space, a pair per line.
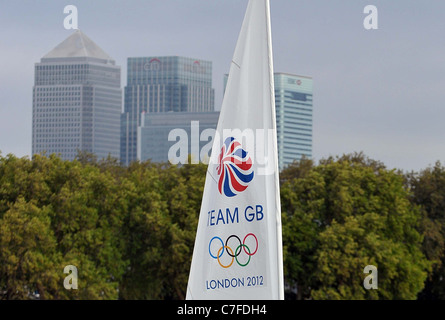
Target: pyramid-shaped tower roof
78,45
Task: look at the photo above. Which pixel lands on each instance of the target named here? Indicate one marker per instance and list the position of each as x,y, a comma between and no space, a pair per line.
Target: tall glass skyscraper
77,101
294,110
163,84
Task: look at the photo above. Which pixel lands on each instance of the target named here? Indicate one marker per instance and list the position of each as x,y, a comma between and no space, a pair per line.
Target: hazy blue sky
378,91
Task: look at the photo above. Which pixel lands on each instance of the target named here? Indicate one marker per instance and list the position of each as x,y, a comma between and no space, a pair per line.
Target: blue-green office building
163,84
294,110
160,132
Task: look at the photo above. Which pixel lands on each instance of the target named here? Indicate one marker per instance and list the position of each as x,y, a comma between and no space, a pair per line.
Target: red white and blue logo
234,169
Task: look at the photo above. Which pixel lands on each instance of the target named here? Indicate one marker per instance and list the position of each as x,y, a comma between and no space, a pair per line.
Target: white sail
238,246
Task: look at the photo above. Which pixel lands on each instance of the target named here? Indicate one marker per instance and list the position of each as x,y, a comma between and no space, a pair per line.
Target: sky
377,91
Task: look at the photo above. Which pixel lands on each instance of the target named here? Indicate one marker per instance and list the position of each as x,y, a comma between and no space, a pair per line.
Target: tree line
130,230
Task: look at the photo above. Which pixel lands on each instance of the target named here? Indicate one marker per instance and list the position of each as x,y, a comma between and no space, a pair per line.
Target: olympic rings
230,264
234,255
250,234
227,241
222,245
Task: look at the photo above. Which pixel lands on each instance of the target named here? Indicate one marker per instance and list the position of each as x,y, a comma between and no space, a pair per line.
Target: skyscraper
163,84
77,100
160,132
294,109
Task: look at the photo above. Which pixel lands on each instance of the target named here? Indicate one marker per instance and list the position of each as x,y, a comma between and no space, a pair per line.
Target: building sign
153,65
195,67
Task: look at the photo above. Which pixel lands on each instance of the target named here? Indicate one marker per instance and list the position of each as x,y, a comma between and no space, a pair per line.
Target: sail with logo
238,246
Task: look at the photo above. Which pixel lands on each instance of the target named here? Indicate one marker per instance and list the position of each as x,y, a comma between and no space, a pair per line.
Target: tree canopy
130,230
343,215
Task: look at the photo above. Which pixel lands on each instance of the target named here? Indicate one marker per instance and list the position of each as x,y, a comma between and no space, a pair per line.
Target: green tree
145,230
130,231
428,191
73,215
28,253
164,204
343,215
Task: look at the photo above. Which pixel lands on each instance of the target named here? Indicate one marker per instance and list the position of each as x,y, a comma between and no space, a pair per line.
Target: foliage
57,213
130,230
343,215
428,191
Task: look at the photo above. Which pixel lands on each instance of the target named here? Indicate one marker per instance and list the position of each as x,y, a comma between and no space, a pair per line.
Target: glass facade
294,110
153,134
76,102
163,84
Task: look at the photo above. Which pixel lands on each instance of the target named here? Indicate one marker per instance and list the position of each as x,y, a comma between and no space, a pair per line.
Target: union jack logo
234,169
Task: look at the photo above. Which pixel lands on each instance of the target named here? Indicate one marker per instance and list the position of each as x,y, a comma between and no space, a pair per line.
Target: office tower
163,84
293,105
77,101
294,109
160,133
